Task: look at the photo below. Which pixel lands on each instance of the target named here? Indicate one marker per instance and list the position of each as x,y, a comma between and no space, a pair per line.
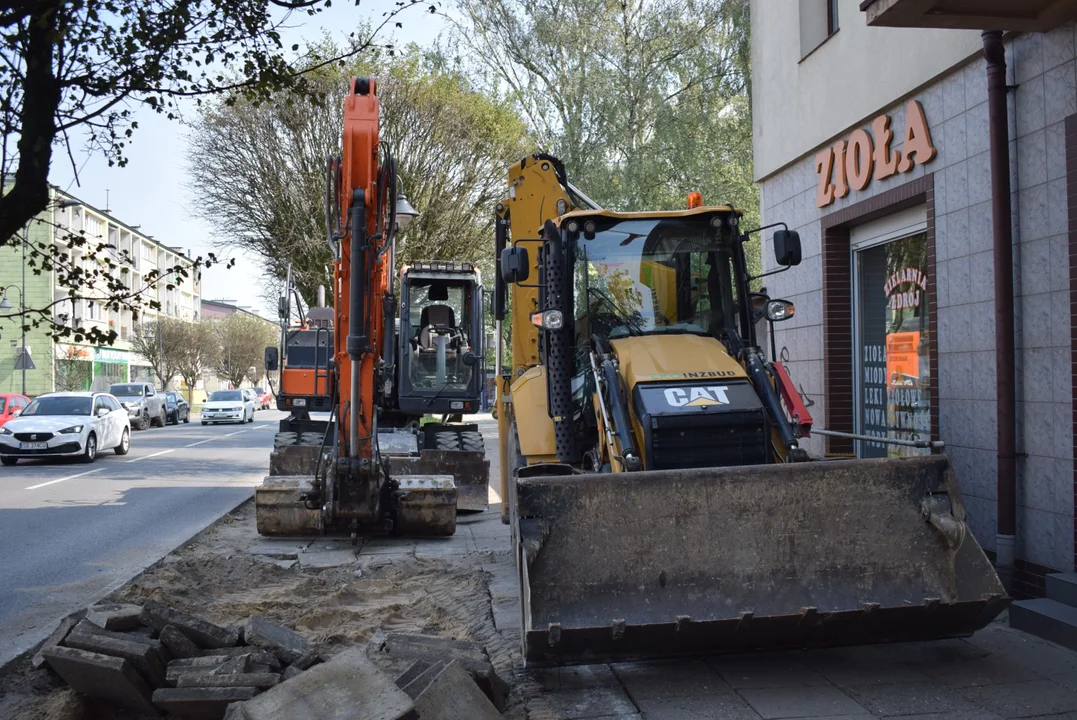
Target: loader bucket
708,561
470,471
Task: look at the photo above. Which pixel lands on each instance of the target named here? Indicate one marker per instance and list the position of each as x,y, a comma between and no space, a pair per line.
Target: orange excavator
369,467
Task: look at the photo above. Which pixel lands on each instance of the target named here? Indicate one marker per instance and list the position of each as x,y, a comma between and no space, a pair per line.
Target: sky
151,190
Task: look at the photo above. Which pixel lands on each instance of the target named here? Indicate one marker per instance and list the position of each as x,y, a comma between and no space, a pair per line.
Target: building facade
874,143
70,365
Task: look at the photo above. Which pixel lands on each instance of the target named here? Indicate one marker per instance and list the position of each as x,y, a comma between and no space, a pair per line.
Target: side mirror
470,359
271,358
515,265
778,310
102,412
787,247
16,412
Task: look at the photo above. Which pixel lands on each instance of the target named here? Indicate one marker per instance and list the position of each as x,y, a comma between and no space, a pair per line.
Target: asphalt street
70,533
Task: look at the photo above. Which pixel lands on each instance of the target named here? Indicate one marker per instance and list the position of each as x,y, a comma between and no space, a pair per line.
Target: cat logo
697,396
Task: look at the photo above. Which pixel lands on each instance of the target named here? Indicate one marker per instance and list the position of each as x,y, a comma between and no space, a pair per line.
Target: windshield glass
227,395
258,391
439,321
58,406
126,390
655,275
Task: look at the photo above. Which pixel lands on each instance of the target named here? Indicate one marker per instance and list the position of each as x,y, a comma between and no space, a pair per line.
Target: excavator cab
441,338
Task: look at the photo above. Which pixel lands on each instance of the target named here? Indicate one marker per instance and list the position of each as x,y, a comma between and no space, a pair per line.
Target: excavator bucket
669,563
470,471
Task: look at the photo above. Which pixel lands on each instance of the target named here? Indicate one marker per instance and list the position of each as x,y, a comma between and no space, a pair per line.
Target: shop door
891,338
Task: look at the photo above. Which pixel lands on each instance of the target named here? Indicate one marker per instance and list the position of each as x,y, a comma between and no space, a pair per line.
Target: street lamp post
5,304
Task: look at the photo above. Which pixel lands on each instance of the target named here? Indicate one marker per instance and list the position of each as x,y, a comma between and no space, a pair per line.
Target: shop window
818,21
893,340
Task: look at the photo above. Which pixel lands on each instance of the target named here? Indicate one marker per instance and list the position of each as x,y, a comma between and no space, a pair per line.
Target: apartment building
874,139
70,365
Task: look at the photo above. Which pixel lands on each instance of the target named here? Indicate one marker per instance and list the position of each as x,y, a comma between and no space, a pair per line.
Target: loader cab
305,378
441,339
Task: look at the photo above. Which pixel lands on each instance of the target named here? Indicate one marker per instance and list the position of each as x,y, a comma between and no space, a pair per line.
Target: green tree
241,342
259,178
200,352
644,102
72,75
162,343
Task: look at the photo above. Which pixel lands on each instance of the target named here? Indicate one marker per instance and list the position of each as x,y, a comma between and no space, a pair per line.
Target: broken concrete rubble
201,703
66,625
205,634
175,663
115,616
177,643
347,687
102,676
471,656
453,695
288,644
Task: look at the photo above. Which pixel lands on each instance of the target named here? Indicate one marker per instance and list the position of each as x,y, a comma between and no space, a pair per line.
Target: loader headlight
300,402
778,310
548,319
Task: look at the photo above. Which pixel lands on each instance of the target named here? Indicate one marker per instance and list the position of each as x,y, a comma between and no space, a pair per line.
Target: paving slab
64,627
990,670
115,616
652,680
1023,699
178,644
205,634
767,670
910,699
238,664
263,632
326,558
723,707
588,703
200,703
348,687
453,695
279,549
102,676
308,659
796,702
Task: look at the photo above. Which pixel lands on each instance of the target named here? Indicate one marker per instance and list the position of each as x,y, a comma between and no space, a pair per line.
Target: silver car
66,424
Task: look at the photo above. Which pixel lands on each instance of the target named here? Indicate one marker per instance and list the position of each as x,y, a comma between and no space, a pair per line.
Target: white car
231,406
66,424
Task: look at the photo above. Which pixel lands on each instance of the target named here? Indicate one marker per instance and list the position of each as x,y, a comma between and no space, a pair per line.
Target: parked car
177,408
10,405
231,406
144,404
66,424
262,398
248,396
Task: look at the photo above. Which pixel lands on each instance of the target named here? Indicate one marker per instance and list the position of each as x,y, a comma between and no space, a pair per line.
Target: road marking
237,432
69,477
200,442
163,452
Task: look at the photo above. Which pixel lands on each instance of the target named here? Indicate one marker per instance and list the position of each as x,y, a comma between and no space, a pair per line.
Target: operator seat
435,315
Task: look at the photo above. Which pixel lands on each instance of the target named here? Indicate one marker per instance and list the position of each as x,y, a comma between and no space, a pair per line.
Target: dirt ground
436,586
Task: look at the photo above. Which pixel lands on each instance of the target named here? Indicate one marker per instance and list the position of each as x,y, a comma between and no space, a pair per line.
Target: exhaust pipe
321,296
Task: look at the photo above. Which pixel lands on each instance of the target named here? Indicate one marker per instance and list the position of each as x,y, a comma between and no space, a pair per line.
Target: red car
9,404
262,398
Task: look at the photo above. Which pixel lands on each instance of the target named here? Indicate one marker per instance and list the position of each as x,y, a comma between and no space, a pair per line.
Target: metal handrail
922,444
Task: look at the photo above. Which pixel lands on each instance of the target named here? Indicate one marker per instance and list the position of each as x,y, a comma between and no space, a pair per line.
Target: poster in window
893,307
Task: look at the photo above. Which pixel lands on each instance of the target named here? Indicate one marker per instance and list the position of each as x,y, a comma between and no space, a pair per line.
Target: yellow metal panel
584,214
533,422
662,358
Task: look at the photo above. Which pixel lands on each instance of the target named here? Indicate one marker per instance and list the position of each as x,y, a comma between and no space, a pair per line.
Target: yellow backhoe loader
660,501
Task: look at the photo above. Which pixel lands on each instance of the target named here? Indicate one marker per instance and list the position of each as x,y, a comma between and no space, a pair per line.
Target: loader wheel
311,438
447,441
472,442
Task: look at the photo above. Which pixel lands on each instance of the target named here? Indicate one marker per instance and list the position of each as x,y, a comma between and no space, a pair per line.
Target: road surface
70,533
